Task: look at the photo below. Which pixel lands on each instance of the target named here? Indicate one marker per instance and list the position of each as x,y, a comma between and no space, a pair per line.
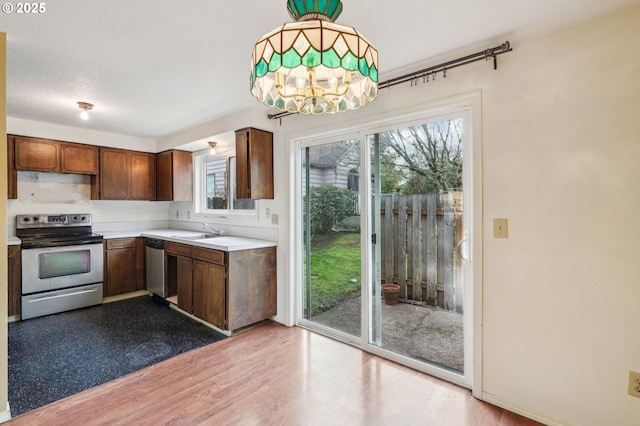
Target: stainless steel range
62,263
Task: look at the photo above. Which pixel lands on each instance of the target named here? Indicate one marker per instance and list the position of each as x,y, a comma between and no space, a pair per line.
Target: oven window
64,263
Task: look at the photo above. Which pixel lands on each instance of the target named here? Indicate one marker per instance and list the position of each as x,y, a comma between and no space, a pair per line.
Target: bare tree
429,156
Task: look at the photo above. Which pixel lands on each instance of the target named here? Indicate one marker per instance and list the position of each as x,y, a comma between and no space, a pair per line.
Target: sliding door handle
464,254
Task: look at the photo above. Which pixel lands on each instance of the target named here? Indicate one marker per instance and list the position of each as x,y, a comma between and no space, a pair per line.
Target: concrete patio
420,332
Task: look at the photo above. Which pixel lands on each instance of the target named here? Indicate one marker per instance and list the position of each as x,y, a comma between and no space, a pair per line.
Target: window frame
200,161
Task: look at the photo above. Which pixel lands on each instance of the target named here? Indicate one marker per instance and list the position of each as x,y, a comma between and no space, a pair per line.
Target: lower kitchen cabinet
14,288
229,290
209,293
251,286
123,266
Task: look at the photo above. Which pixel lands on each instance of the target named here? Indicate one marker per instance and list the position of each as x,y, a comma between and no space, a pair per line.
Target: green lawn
335,269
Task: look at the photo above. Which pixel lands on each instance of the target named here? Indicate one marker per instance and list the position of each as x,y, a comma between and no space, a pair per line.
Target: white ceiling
155,67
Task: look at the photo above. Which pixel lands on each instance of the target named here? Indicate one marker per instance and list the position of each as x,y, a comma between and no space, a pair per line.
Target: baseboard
5,416
195,318
514,408
120,297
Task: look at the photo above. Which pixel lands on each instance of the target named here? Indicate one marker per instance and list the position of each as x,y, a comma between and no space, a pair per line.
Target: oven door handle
57,296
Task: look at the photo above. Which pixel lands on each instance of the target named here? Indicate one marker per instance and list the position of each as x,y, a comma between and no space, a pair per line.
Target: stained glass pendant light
313,65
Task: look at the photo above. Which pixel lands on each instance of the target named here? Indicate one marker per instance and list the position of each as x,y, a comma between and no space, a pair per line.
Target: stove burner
38,231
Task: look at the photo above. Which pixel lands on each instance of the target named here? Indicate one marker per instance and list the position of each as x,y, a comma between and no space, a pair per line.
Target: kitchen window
217,189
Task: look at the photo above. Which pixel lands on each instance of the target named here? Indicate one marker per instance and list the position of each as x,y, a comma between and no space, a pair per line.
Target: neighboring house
216,183
336,165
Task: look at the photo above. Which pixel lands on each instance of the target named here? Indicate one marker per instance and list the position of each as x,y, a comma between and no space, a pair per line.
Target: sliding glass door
331,236
384,241
416,297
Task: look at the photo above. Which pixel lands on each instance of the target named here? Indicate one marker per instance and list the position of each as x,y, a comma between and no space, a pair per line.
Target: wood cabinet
114,179
142,175
37,154
174,176
124,175
209,292
45,155
14,284
54,156
116,174
254,164
251,292
229,290
123,265
78,158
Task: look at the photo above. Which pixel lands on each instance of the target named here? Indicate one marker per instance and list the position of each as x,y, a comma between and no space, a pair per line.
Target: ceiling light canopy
313,65
212,148
85,107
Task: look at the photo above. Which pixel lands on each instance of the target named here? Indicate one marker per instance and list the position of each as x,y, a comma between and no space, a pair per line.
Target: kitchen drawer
208,255
178,249
118,243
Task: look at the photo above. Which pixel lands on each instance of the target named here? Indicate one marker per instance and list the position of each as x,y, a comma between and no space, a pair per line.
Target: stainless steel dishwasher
155,266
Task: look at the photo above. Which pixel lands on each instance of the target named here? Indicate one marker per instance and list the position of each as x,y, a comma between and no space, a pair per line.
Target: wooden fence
419,235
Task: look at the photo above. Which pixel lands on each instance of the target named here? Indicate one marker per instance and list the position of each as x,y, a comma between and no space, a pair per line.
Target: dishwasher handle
154,243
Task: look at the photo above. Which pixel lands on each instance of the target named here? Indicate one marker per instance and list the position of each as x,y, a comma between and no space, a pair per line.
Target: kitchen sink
197,237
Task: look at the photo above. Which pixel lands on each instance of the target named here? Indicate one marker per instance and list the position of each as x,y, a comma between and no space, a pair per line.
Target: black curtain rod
486,54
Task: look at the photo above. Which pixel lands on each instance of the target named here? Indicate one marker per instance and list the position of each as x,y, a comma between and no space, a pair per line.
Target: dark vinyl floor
56,356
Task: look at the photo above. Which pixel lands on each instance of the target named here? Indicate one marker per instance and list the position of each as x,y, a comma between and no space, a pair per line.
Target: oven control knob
26,219
35,218
75,218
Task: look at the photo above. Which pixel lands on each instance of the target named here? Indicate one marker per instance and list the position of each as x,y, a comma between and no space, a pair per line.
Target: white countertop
120,234
224,243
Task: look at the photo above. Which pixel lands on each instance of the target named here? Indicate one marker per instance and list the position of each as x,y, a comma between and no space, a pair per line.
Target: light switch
500,228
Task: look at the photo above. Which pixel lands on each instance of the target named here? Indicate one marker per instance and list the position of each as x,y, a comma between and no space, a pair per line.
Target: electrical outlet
267,213
274,219
634,383
500,228
177,214
188,214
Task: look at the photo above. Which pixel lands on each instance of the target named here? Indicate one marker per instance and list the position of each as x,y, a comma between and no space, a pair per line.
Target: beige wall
561,145
561,161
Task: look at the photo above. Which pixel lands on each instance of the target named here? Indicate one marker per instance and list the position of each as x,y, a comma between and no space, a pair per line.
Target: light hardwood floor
274,375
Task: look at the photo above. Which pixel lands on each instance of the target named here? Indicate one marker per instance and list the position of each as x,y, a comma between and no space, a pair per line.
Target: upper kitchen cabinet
124,175
36,154
77,158
174,176
54,156
142,176
45,155
254,164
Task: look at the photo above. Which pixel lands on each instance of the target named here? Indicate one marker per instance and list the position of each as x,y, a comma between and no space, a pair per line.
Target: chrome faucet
213,230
